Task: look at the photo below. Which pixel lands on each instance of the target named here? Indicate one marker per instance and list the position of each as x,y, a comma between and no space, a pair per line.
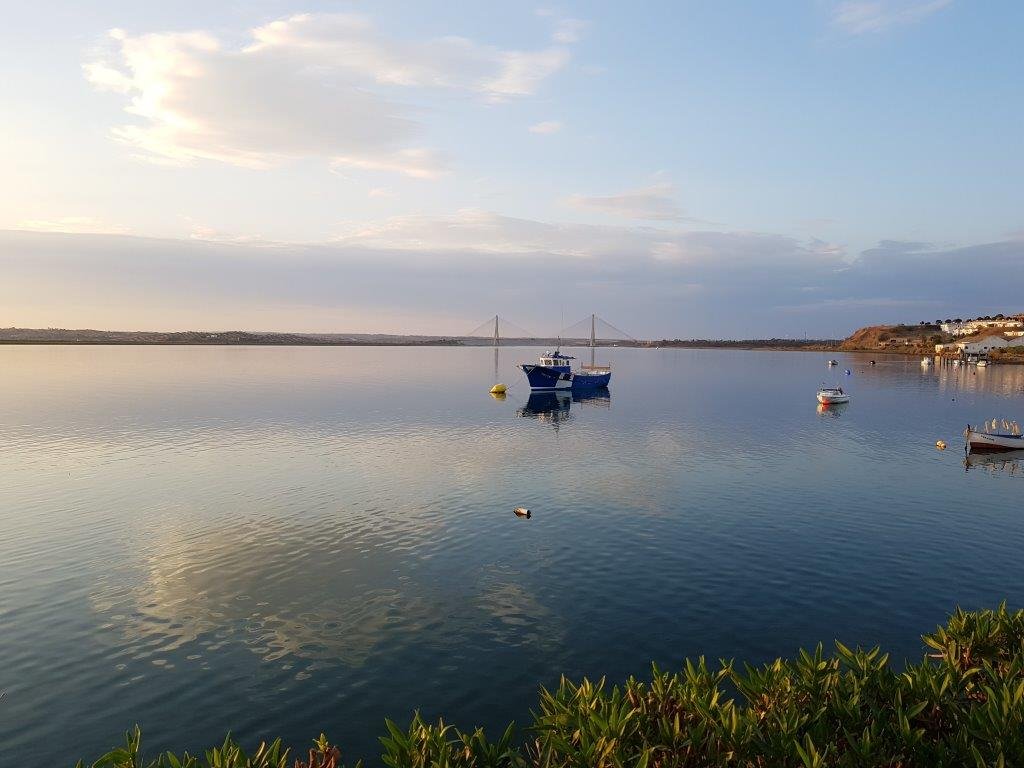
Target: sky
683,169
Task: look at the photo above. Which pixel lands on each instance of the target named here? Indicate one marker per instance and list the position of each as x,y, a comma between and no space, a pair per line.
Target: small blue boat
554,372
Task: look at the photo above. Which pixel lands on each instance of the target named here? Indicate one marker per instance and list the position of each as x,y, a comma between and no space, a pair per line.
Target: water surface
279,541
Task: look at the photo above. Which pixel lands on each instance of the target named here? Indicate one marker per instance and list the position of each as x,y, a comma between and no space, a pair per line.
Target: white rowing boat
832,396
994,437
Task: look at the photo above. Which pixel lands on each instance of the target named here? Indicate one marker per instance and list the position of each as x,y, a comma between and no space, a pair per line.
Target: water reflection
305,594
553,407
267,540
833,410
996,463
999,379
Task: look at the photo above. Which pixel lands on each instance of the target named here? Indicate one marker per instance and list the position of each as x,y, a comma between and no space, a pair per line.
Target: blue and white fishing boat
554,372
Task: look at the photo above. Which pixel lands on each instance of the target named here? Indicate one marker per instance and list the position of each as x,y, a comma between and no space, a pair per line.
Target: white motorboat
832,396
994,437
983,363
926,361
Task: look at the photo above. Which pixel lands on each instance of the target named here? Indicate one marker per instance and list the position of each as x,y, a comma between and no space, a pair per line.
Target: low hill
896,338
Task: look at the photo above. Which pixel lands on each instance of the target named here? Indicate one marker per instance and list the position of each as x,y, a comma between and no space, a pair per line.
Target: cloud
417,163
547,126
824,248
443,274
858,17
655,203
350,43
418,268
522,72
213,235
311,85
951,280
901,247
73,224
475,233
569,30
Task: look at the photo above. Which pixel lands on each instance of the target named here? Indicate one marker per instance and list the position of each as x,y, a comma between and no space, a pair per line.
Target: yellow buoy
940,444
498,389
498,395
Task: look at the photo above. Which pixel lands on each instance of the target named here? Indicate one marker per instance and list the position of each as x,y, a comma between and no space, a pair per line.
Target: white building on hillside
985,344
1004,324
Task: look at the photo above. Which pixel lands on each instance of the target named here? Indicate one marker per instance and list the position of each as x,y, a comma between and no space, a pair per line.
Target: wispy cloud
417,163
214,235
859,17
73,224
655,203
311,85
569,30
547,126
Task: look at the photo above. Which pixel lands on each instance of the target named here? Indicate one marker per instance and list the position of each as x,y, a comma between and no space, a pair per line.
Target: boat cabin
556,360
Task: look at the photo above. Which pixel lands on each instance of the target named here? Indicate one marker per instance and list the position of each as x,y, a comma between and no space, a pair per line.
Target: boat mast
593,337
496,341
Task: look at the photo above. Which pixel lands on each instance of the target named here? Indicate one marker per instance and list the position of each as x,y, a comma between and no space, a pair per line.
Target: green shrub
963,705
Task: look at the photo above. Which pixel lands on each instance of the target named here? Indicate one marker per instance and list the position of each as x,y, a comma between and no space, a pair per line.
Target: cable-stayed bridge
497,329
592,331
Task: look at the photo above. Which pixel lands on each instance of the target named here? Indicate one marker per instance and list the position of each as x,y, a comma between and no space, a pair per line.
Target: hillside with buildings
988,335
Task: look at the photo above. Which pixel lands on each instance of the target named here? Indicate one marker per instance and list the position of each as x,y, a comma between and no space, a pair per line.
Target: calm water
279,541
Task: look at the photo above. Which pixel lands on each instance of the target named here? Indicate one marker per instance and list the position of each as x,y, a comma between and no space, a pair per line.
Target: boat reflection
834,410
1012,462
553,407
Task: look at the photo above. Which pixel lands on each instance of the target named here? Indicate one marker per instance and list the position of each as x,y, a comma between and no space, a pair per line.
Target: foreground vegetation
963,705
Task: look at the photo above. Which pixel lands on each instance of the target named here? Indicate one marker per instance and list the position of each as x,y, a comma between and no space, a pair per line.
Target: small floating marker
940,444
522,512
498,389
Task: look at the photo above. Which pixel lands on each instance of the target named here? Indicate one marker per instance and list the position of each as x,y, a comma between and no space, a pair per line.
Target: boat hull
983,442
544,379
833,399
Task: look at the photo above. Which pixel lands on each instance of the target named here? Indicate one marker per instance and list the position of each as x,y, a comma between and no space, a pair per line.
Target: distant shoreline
90,337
